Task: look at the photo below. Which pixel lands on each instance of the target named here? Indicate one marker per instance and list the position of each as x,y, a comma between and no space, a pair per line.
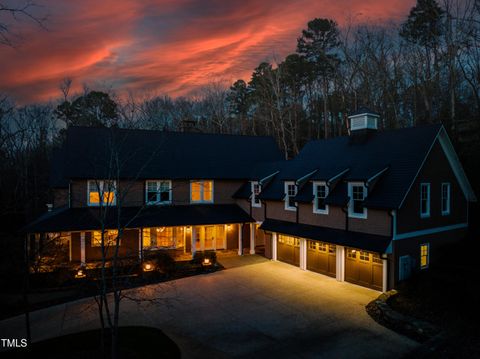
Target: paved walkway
261,310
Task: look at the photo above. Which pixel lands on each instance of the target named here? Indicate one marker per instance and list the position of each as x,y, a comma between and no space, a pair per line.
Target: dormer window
158,192
357,193
256,189
320,192
201,191
290,193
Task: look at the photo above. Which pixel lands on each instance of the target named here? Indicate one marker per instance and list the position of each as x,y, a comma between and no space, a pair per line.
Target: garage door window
332,248
322,247
351,253
364,256
376,258
312,245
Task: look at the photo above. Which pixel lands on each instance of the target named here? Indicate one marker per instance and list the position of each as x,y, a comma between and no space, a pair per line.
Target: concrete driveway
261,310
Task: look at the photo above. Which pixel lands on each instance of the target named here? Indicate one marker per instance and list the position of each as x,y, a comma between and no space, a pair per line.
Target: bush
162,260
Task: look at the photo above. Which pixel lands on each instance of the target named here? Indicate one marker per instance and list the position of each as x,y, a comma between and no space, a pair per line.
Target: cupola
363,120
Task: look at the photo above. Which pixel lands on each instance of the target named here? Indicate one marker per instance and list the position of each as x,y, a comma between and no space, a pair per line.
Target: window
158,192
162,237
290,193
332,248
320,192
357,193
201,191
364,256
312,245
445,199
425,200
322,247
110,238
256,189
101,193
376,258
351,253
424,252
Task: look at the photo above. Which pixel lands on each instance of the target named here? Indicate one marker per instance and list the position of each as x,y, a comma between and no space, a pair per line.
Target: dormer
363,120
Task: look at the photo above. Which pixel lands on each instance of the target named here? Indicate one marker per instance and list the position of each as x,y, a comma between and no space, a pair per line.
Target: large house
368,208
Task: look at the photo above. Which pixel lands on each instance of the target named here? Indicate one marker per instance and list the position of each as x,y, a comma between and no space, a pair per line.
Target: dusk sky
163,47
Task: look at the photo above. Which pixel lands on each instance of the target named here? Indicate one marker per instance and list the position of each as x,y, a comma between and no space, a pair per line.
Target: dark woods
423,70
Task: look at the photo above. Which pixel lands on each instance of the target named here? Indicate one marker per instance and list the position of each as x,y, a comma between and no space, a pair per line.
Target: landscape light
80,274
147,267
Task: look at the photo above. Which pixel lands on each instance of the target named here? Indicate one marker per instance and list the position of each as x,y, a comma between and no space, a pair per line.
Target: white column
252,238
274,246
193,241
303,253
82,247
340,256
202,238
184,239
385,275
240,240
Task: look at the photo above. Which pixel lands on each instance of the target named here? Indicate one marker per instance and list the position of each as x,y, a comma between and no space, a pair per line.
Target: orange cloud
166,46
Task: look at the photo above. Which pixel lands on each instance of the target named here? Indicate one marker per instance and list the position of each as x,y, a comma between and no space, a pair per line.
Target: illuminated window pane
196,192
108,197
94,197
207,190
424,255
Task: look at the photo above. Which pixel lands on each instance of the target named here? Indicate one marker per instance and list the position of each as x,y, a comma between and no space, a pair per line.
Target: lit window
290,193
162,237
320,192
201,191
424,252
364,256
110,238
101,193
445,199
357,193
425,200
256,189
159,192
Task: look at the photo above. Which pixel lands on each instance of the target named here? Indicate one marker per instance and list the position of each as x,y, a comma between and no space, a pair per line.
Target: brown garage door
364,268
288,250
321,258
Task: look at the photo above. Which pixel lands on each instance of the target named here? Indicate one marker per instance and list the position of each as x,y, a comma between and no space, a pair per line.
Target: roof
88,151
87,218
369,242
379,153
363,110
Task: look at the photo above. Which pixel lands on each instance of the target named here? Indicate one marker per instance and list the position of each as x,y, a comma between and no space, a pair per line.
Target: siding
435,171
60,197
377,222
276,210
334,219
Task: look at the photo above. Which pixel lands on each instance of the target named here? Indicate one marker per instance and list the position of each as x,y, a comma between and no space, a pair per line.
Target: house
369,208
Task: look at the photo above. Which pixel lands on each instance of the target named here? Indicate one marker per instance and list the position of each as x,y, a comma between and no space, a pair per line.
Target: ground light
80,273
147,267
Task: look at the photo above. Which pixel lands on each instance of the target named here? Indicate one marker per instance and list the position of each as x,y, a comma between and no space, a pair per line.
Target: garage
321,258
288,250
364,268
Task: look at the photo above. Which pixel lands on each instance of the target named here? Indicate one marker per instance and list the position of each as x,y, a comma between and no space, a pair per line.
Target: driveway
262,309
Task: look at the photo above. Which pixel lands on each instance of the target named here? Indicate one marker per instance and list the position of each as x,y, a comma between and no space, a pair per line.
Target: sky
162,47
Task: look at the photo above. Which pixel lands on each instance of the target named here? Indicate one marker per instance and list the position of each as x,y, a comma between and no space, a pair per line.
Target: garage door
321,257
364,268
288,250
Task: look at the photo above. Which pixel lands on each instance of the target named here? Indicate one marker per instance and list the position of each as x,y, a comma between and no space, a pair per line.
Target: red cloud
170,47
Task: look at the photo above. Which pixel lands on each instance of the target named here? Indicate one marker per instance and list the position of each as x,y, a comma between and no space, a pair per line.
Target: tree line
425,69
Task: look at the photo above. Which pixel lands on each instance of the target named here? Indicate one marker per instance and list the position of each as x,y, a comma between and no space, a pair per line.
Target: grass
447,295
134,342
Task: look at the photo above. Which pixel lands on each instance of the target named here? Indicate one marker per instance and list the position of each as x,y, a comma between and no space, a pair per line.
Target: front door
209,238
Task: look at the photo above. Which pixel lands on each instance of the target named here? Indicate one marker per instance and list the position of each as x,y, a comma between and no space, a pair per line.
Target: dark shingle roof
161,154
400,151
78,219
369,242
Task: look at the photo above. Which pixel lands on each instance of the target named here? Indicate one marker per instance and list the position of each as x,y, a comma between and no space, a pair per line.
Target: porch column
340,255
252,238
184,239
385,275
274,246
303,253
240,239
193,241
140,243
82,247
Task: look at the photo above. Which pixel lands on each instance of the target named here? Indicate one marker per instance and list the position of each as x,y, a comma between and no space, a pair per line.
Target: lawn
134,342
